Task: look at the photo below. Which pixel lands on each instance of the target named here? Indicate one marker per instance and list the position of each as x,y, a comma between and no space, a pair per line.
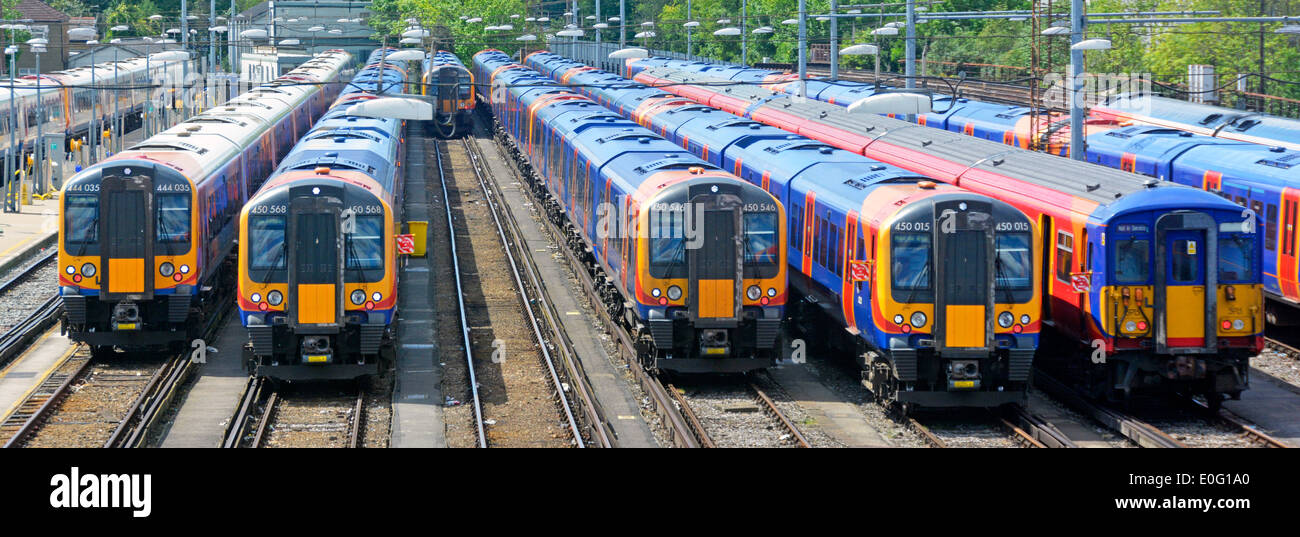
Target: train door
713,254
1184,308
315,260
963,238
126,224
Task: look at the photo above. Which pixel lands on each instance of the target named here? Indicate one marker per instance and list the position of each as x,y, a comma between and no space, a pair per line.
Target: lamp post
38,46
118,124
11,194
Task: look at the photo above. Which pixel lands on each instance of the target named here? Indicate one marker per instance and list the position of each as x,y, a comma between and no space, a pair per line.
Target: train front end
317,276
711,274
956,308
1177,297
129,267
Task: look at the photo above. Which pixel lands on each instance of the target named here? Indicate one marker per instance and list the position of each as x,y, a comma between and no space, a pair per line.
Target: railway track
307,416
728,427
1135,430
29,415
673,423
1282,347
100,382
580,412
39,318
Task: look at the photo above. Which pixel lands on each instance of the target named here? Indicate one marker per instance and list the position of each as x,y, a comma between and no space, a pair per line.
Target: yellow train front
317,253
452,85
147,236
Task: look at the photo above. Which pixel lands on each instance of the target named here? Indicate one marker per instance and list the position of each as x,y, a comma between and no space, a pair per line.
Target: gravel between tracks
19,302
519,404
1282,367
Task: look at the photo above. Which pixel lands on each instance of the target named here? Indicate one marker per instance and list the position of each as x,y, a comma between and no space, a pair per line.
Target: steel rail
603,433
680,433
549,360
460,301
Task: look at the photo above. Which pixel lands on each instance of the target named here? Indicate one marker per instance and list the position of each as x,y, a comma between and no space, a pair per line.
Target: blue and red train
933,289
1161,282
317,255
1203,146
689,258
147,237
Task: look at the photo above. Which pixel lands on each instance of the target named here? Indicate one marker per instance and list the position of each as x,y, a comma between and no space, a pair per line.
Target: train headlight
1024,319
1238,324
376,296
655,292
255,298
185,269
1130,326
88,270
167,269
674,293
275,298
358,296
753,292
898,319
918,319
71,270
771,291
1006,319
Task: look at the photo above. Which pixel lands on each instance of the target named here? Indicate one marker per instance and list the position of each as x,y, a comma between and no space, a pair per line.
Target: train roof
1079,179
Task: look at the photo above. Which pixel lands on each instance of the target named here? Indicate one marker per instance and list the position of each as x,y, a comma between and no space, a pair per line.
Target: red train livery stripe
1128,162
1286,252
850,253
1212,181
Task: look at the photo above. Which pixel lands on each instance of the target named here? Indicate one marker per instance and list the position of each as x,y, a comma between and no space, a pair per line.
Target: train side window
822,233
833,248
1064,255
1241,200
1270,228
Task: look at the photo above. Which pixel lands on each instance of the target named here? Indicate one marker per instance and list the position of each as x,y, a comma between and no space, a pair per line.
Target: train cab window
365,249
1132,261
1014,265
1185,267
760,245
266,247
667,244
1270,228
1234,258
82,219
1064,255
911,266
173,219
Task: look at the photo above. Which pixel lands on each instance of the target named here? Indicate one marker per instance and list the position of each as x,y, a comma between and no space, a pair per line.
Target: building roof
39,11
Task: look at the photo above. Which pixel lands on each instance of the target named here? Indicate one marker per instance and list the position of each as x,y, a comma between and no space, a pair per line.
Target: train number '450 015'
1012,226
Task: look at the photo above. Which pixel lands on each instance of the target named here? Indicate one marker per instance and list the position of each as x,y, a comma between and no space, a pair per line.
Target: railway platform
417,385
1272,405
28,370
